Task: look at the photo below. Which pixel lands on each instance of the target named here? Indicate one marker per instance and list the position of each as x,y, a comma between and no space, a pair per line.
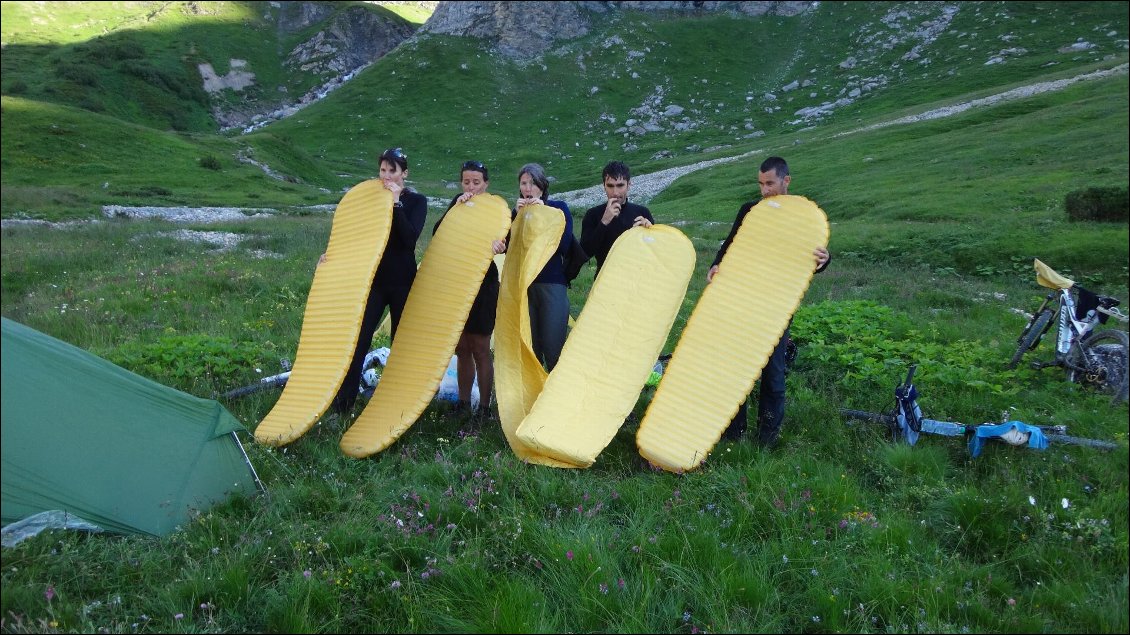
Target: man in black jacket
603,224
773,178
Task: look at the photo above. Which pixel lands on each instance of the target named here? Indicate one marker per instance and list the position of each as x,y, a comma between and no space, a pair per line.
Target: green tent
102,444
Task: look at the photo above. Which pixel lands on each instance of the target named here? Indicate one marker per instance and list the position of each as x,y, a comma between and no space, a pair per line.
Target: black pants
771,399
379,298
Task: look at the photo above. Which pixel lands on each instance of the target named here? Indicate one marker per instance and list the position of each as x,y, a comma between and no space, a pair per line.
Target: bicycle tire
1031,336
1102,361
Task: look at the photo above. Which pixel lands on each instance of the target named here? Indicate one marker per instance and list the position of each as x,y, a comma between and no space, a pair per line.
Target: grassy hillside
137,61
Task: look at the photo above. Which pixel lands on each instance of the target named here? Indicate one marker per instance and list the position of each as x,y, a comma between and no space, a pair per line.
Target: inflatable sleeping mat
612,348
332,319
445,287
729,336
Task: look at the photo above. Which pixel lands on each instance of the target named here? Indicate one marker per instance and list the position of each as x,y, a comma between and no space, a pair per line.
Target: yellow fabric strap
334,308
733,329
446,284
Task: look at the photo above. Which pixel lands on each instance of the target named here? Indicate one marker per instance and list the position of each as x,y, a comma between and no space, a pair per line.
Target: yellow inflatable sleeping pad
334,308
519,376
449,277
732,331
613,347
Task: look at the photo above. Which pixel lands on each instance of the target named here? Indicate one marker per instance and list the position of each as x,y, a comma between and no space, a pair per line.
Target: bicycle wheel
1031,336
1101,361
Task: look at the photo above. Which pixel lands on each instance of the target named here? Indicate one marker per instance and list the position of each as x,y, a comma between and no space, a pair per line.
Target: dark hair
616,169
474,166
537,175
395,156
775,164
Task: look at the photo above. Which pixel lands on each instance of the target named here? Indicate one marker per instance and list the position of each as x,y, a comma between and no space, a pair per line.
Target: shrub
17,87
199,364
81,75
1111,204
210,162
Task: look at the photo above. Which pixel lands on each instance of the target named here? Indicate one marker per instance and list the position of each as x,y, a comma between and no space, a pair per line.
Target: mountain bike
1094,358
905,422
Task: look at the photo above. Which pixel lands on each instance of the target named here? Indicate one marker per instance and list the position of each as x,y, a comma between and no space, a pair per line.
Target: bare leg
465,366
484,367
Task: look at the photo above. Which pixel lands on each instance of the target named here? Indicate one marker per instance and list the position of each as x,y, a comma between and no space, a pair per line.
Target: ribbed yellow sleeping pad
445,287
519,376
613,347
334,308
739,318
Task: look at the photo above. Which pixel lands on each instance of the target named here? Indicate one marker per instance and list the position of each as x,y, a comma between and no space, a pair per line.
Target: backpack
574,259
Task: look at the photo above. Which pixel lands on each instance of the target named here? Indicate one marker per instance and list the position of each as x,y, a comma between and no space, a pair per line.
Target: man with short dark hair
604,223
773,178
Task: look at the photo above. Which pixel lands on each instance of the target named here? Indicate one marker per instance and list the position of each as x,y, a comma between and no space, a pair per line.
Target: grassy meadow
933,229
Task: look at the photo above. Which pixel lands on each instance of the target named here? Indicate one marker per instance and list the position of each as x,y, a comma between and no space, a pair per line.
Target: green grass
934,226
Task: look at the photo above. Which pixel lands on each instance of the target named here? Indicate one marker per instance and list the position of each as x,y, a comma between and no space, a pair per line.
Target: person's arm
567,233
729,239
644,218
408,221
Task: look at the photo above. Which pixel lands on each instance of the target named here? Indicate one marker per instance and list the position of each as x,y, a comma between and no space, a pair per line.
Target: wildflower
603,588
178,616
1032,501
815,619
1011,602
785,559
395,585
686,616
306,574
1065,503
814,572
49,593
635,548
569,555
620,583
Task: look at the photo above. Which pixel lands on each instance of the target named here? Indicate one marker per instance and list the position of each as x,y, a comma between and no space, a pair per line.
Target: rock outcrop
348,41
527,29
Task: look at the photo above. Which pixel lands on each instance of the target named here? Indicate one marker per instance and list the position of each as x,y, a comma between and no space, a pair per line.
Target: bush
17,87
210,162
1111,204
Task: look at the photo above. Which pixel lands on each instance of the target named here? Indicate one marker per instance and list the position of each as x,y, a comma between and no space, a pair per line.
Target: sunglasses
477,166
395,153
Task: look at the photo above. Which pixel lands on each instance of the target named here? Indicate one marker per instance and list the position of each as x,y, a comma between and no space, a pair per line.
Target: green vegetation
1099,203
934,227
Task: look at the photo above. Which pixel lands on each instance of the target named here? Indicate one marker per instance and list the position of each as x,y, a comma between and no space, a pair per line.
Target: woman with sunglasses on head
395,273
473,348
548,298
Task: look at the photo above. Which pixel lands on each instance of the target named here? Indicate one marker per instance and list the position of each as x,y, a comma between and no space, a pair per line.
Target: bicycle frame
1071,330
